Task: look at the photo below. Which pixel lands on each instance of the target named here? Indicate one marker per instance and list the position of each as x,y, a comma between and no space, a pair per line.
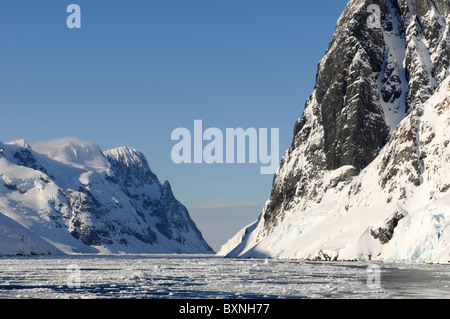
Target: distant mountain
367,176
219,223
67,196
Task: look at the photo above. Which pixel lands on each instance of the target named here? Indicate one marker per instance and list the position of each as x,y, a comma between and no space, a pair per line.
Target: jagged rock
385,234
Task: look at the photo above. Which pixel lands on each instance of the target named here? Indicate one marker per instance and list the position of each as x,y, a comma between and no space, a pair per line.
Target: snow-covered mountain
67,196
368,173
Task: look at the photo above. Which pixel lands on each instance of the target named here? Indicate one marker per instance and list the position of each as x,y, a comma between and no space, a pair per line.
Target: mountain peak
128,162
72,151
20,143
128,155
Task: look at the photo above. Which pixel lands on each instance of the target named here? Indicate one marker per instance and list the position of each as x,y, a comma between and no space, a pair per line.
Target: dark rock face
131,168
371,77
427,65
352,118
385,234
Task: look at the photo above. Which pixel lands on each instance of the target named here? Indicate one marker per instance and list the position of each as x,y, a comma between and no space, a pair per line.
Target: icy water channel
209,277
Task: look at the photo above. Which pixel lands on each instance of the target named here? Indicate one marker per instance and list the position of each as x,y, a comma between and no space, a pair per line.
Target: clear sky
136,70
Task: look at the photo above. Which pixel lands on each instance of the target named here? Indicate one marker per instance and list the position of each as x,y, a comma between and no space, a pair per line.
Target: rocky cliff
384,63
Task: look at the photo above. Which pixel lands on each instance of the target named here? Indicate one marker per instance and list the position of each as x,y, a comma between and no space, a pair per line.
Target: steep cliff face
69,196
385,60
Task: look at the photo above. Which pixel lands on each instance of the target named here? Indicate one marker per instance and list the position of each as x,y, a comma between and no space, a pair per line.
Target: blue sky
137,70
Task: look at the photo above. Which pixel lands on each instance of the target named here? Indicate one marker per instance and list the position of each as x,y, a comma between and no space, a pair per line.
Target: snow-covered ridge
129,156
72,151
69,196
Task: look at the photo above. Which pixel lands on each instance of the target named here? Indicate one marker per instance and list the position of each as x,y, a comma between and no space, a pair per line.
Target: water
200,277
